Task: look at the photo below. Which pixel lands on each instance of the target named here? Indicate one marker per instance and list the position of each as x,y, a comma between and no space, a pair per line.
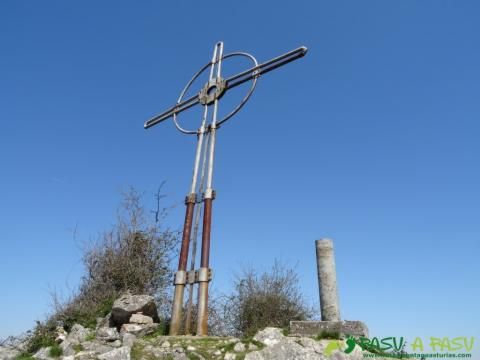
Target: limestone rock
140,319
78,334
61,334
96,346
122,353
108,334
239,347
124,307
129,339
139,330
7,353
43,354
230,356
86,355
269,336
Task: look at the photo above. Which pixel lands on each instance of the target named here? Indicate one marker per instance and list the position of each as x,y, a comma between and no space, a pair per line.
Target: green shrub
271,298
55,350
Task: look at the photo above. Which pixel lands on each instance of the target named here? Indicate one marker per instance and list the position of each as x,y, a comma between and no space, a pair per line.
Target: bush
271,298
134,256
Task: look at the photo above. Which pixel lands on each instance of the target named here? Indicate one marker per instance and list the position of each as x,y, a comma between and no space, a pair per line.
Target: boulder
139,330
78,334
140,319
122,353
108,334
127,305
7,353
43,354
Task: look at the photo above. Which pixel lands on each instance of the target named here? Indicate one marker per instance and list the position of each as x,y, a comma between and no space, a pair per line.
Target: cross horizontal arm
266,67
231,82
184,105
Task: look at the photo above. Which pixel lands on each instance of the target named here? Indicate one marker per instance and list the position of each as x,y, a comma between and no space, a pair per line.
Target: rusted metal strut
209,96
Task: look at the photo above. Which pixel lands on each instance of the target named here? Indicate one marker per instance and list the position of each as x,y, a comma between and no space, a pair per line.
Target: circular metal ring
217,93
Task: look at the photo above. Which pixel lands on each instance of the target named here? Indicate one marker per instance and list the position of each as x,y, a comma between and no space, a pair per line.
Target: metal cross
209,96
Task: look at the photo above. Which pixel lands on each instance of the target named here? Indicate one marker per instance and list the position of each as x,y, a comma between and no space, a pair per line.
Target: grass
24,357
90,337
77,348
55,351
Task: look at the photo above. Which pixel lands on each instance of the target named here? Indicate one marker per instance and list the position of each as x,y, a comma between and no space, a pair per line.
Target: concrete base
314,328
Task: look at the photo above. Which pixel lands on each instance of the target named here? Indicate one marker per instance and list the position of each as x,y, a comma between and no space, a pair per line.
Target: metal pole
327,280
181,275
204,272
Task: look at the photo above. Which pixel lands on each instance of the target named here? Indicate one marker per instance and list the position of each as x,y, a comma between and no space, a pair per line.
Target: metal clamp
209,194
203,275
191,198
180,278
213,90
191,277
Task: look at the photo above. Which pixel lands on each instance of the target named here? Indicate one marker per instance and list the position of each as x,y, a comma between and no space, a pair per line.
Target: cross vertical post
201,191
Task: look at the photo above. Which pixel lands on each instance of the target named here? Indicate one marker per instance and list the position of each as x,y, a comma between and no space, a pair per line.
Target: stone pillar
327,280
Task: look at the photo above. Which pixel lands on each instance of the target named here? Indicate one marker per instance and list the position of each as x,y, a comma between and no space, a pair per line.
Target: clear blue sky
372,140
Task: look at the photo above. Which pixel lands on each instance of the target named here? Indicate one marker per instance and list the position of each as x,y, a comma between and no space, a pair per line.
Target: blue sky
371,139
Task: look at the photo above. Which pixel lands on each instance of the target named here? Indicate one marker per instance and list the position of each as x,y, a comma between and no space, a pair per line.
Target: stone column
327,280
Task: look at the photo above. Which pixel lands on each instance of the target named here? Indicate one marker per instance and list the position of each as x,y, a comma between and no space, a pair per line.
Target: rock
191,348
317,346
285,350
116,343
7,353
165,344
43,354
69,357
139,330
230,356
239,347
78,334
61,334
140,319
122,353
269,336
124,307
129,339
108,334
68,348
217,353
105,322
252,347
86,355
96,346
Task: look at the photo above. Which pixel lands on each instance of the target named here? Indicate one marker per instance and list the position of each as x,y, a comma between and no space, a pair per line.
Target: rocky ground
131,332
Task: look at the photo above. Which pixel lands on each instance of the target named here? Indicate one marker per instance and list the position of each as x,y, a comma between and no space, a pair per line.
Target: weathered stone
239,347
140,319
7,353
96,346
139,330
78,334
86,355
269,336
105,322
122,353
284,350
69,357
327,280
43,354
230,356
317,346
165,344
128,339
108,334
61,334
124,307
116,343
252,347
68,347
191,348
343,328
